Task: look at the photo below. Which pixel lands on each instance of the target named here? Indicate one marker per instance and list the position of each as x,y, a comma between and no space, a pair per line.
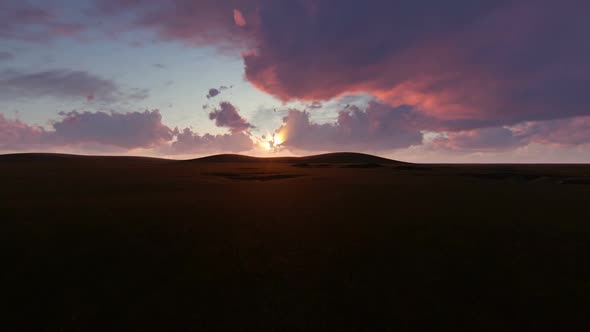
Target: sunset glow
274,143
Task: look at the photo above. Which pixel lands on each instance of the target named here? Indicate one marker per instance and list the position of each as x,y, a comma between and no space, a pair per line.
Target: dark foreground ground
344,242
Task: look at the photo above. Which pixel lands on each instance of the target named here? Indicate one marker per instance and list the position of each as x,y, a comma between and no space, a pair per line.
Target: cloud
112,131
239,18
560,133
57,83
450,60
6,56
127,130
227,116
379,127
188,142
64,83
21,20
213,93
124,130
478,140
315,105
193,22
15,134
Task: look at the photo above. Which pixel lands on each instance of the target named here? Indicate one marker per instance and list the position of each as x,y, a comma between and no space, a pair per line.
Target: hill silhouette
327,158
63,157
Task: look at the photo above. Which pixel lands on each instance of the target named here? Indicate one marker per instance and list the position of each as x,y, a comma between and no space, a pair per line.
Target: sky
422,80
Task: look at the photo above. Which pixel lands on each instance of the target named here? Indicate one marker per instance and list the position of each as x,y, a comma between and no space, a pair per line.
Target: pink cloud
15,134
562,132
239,18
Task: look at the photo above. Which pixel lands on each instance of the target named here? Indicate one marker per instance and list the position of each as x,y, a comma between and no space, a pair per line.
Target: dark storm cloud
227,116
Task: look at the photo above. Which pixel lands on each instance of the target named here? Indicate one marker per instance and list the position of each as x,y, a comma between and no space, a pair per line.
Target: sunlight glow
274,144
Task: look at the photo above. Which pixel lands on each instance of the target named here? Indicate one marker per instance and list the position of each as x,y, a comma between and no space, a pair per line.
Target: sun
274,143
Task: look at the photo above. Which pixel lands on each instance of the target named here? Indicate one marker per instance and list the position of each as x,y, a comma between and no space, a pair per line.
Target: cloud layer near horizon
111,130
378,128
381,127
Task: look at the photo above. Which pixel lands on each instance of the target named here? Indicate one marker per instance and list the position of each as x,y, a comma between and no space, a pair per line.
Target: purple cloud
454,63
21,20
188,142
480,140
126,130
450,60
64,84
193,22
227,116
57,83
562,132
6,56
213,93
379,127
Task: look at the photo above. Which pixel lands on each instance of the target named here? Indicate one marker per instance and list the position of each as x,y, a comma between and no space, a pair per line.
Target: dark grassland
340,242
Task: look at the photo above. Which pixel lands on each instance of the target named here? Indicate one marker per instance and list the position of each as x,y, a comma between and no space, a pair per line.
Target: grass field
340,242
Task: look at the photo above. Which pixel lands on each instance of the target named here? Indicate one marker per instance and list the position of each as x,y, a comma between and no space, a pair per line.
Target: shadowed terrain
341,241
